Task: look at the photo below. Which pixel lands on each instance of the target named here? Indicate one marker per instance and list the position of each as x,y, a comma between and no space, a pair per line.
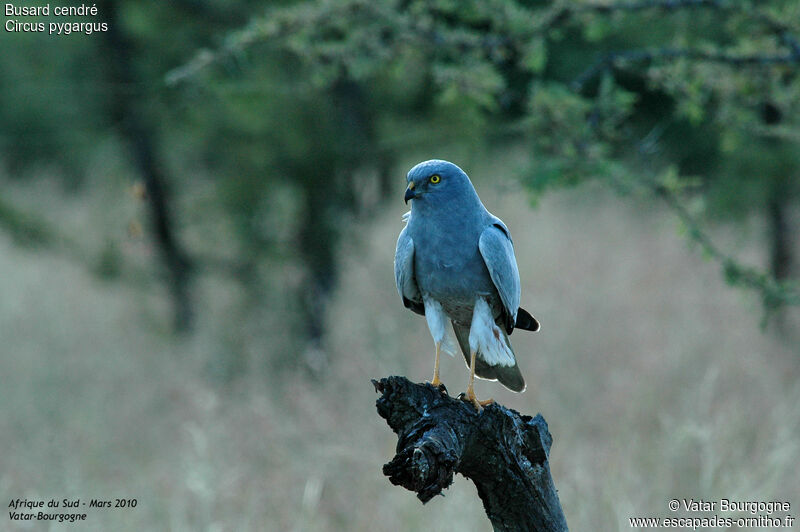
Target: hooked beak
410,194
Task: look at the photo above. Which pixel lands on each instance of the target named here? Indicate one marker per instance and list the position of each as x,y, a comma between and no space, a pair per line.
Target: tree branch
612,59
775,293
781,30
504,453
667,5
139,133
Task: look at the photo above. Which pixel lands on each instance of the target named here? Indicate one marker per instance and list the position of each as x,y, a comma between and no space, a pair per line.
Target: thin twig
612,59
774,293
668,5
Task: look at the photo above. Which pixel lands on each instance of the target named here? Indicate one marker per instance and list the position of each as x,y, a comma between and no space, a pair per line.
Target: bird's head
437,182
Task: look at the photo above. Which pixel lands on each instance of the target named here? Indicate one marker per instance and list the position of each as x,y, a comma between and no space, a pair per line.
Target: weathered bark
503,452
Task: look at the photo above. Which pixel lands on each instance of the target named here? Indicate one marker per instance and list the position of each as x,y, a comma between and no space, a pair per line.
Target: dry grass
654,377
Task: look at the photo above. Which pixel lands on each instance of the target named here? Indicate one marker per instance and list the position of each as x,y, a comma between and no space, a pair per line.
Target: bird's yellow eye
435,178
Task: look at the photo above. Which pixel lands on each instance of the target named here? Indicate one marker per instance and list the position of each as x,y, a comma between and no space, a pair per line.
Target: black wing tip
414,306
509,323
526,322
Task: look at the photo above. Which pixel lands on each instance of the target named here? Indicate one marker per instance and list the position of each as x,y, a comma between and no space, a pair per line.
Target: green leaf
535,55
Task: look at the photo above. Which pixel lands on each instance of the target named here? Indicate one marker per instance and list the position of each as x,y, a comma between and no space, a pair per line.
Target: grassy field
654,377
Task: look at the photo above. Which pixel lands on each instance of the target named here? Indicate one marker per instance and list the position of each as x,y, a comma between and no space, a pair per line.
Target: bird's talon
476,404
470,397
439,385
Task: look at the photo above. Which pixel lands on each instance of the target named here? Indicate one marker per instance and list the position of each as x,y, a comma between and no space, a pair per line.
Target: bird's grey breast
448,264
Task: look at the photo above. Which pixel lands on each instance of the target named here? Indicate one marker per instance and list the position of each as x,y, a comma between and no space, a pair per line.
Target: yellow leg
470,389
436,382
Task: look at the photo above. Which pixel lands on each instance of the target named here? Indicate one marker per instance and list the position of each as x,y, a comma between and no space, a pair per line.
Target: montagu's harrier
455,261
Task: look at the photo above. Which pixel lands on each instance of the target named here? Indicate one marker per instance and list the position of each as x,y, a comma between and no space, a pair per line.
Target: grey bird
455,261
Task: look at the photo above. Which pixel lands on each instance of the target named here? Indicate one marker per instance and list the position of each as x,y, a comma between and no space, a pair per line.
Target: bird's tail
509,376
526,321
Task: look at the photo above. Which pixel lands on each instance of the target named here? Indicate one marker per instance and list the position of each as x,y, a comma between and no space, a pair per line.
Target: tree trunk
504,453
780,233
128,112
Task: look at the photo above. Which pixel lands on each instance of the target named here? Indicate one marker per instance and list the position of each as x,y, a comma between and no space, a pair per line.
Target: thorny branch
613,59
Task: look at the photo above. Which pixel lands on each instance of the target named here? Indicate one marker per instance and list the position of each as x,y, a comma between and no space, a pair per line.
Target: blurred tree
280,152
65,100
696,102
296,119
129,112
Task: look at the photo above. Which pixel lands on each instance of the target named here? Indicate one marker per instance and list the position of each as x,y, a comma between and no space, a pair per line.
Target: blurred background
198,215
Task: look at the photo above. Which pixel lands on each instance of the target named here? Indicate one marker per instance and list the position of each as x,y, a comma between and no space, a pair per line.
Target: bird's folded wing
404,273
498,254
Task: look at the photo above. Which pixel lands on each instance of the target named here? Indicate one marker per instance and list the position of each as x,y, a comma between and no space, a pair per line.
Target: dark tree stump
503,452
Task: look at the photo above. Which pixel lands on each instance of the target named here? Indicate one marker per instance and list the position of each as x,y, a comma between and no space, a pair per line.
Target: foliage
679,99
295,117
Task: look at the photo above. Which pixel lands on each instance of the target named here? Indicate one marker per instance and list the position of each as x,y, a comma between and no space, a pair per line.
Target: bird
455,261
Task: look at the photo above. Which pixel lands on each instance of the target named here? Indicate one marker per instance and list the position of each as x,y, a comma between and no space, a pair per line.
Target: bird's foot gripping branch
503,452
